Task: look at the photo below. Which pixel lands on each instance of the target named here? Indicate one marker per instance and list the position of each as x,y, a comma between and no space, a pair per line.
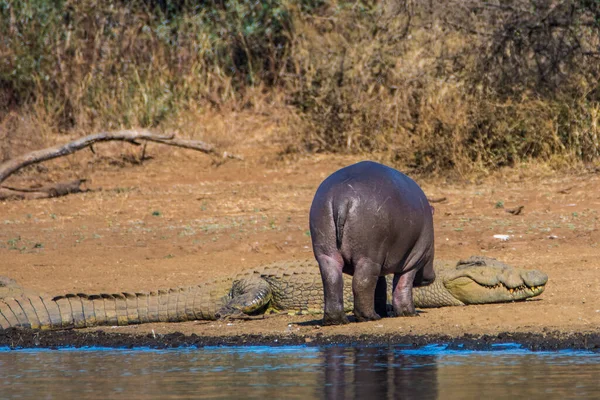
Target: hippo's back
376,179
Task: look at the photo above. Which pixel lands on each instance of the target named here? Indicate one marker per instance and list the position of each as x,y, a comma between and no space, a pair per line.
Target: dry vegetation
434,85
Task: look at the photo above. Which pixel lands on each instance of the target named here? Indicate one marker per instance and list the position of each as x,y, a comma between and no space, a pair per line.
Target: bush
435,85
453,84
115,63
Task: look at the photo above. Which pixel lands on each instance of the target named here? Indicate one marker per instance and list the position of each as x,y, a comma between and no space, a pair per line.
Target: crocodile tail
82,310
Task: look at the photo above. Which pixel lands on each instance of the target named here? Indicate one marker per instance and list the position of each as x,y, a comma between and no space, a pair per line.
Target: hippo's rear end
369,220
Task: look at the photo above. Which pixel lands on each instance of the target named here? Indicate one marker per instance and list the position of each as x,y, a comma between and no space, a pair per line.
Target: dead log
43,192
64,188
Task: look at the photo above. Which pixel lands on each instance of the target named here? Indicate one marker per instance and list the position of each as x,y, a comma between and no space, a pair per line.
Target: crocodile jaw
469,291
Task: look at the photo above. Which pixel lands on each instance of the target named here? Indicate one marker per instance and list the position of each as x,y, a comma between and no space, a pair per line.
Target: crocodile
293,287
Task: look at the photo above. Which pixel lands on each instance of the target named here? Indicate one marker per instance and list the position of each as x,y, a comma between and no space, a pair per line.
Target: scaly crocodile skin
293,286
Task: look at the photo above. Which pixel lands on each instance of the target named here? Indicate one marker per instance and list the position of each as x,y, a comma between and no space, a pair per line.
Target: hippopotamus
369,220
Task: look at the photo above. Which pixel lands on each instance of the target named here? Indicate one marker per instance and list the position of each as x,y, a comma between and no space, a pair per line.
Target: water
389,372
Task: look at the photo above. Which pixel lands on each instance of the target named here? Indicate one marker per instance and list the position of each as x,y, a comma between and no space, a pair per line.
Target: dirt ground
178,219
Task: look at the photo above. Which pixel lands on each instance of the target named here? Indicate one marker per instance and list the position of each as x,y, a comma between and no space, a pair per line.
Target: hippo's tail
340,214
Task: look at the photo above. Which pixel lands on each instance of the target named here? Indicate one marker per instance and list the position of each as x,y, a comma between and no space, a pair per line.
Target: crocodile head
479,280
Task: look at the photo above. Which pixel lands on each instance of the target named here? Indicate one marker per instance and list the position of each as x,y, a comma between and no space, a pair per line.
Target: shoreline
176,229
15,339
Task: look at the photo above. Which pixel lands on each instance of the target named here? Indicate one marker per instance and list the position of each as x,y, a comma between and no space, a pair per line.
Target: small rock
515,211
503,238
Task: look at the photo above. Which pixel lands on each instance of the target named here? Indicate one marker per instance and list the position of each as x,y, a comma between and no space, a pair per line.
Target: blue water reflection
330,372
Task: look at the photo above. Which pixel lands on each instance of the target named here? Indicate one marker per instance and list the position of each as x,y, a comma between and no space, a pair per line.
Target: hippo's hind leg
333,288
365,280
402,298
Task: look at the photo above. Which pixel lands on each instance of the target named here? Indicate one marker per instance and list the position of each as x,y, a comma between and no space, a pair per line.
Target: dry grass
463,86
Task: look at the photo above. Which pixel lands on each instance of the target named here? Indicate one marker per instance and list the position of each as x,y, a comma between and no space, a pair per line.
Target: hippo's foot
363,317
335,319
404,310
404,314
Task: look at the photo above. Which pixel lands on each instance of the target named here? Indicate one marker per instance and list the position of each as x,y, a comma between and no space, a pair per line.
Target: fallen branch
197,145
62,189
44,192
